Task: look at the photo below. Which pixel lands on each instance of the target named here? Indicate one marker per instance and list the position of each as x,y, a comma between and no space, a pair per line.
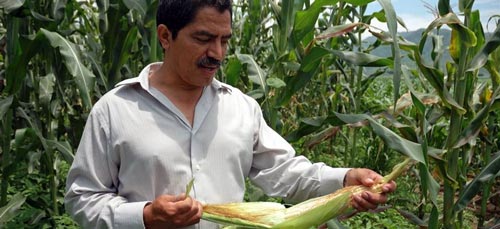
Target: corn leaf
189,186
489,172
255,72
5,105
392,25
71,55
472,130
11,5
9,211
338,30
363,59
305,20
139,5
394,141
359,2
490,46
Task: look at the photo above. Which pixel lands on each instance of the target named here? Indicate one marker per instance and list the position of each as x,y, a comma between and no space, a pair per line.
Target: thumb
367,181
180,197
172,198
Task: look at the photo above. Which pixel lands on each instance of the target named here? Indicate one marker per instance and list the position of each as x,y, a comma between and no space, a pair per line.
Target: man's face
199,48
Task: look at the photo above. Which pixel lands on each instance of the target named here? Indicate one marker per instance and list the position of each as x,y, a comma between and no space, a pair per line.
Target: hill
443,36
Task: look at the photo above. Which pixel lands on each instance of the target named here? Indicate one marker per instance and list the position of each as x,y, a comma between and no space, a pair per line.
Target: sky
416,15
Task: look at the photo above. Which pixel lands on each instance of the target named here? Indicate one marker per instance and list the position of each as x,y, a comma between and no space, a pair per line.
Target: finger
167,198
389,187
372,179
181,197
194,215
377,199
356,205
367,182
184,206
366,201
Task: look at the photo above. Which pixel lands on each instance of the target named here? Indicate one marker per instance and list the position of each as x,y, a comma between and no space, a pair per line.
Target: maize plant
310,213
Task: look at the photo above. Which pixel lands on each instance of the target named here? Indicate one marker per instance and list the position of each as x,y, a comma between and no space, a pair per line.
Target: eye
202,39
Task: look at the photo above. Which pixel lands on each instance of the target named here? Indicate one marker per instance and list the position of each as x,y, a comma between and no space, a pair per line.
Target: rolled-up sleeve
91,187
279,172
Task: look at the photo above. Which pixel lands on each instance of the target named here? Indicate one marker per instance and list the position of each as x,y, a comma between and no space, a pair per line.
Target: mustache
209,62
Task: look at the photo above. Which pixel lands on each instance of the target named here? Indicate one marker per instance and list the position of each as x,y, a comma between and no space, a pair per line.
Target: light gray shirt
137,145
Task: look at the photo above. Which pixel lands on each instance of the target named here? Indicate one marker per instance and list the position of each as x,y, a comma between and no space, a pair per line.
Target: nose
216,50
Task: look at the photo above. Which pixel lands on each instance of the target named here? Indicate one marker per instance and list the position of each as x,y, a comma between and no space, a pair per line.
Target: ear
164,36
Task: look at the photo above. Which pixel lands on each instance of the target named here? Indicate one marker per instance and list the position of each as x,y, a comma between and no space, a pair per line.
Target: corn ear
310,213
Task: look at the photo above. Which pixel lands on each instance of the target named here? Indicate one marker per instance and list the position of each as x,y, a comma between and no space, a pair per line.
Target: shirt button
198,167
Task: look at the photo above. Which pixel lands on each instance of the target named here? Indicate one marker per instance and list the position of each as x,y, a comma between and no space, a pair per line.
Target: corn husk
307,214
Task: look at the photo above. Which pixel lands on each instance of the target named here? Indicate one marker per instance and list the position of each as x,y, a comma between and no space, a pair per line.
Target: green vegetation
334,97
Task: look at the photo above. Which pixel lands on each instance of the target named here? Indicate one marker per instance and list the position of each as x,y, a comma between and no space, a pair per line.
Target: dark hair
176,14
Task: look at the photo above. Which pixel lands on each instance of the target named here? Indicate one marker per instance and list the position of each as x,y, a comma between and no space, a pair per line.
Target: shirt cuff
130,215
332,179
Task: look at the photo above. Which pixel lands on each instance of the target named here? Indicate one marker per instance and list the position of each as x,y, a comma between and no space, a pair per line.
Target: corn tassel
310,213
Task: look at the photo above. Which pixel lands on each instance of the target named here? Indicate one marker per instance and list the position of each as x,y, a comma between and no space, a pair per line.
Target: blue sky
416,15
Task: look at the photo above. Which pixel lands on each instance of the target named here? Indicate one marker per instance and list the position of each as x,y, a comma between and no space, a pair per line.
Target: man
148,137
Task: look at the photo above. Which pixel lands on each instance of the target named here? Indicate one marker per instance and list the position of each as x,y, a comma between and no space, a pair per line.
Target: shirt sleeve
91,187
278,172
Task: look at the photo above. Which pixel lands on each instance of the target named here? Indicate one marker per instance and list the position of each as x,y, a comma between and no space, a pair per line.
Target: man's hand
168,211
367,177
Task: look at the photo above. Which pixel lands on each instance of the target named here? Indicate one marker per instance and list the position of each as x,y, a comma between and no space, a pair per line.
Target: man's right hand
168,211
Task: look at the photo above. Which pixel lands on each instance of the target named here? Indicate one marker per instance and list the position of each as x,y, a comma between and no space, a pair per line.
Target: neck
181,94
174,87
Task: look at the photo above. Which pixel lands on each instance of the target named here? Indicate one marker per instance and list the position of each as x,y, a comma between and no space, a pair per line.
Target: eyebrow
208,34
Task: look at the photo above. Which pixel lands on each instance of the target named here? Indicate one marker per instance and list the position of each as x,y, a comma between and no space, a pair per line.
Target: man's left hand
368,200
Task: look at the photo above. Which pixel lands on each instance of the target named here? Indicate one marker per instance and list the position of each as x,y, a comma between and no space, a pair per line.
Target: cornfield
319,84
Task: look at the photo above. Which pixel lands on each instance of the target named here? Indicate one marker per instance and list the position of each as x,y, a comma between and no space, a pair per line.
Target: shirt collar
143,80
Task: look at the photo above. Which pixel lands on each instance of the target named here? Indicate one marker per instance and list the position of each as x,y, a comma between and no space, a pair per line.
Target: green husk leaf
310,213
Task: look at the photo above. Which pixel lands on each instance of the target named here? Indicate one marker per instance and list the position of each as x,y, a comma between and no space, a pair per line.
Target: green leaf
71,55
444,7
295,83
436,78
418,104
489,172
232,70
5,105
139,5
392,25
58,9
128,43
313,58
9,211
255,73
363,59
11,5
359,2
64,147
338,30
472,130
46,88
275,82
189,186
490,46
412,217
466,35
306,20
306,127
393,141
